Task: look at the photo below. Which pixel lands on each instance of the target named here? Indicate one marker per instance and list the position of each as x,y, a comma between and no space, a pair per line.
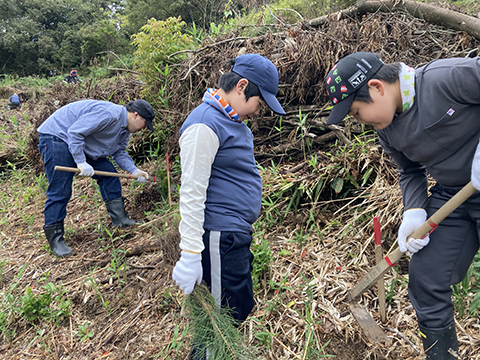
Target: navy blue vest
234,193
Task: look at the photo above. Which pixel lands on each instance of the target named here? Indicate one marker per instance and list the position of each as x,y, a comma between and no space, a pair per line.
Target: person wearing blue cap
85,134
427,120
221,188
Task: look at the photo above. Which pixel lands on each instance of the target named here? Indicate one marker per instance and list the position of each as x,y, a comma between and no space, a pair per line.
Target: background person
72,78
15,102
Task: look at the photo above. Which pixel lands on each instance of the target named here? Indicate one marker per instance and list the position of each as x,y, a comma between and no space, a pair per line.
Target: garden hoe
101,173
372,331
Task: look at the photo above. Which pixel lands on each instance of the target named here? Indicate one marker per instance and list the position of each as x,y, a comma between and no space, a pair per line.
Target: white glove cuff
191,257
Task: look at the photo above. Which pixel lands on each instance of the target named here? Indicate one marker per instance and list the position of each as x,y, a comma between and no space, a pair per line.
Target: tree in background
154,43
37,36
200,12
101,38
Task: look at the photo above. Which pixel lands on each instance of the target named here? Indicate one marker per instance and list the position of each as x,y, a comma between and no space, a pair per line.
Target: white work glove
85,169
142,176
188,271
412,220
476,169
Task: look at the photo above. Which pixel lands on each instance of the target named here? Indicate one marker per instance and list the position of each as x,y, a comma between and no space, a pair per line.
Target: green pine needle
214,330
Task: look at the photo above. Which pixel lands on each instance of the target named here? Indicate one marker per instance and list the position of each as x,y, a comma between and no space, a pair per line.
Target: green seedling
390,290
176,346
93,284
262,258
83,332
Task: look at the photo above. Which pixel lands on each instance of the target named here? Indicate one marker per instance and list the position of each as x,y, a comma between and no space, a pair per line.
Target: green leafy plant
176,346
271,215
84,333
390,290
40,336
302,131
93,284
118,265
262,258
462,292
33,307
155,43
284,253
311,349
300,237
2,265
49,303
475,286
265,338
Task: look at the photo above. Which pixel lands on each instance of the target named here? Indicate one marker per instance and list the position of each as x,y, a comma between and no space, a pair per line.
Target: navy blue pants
445,260
54,152
227,265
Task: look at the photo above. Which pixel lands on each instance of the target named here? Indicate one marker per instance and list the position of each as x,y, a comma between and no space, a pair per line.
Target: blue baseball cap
261,72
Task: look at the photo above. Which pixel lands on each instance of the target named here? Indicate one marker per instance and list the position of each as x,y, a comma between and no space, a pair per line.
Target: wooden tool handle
101,173
428,226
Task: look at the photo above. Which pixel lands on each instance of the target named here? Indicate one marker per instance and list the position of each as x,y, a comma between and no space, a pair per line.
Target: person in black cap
221,191
427,120
85,134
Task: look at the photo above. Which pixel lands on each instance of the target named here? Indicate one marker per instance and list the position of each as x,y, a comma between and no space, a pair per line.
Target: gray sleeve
466,80
412,177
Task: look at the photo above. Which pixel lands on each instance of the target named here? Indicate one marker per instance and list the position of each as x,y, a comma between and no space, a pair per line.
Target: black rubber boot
440,344
54,234
116,210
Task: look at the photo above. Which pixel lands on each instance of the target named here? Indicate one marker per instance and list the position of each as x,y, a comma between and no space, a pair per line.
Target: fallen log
430,13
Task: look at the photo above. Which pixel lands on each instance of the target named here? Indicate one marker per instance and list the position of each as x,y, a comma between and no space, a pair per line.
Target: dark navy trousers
445,260
227,265
54,152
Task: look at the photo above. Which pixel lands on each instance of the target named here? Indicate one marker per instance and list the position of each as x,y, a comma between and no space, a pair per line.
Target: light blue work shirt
94,128
15,99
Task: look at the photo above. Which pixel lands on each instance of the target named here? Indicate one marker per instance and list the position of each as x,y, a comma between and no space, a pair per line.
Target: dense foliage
41,35
201,12
37,37
156,41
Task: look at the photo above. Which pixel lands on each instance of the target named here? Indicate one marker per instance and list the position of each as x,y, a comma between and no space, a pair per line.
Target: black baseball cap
145,110
261,72
346,77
